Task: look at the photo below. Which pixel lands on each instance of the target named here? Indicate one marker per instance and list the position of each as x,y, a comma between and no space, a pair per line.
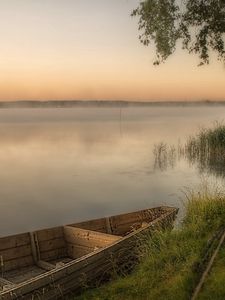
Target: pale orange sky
76,49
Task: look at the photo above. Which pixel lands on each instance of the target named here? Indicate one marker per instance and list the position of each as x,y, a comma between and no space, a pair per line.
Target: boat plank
49,234
14,241
15,253
22,274
45,265
4,281
95,225
18,263
53,254
76,281
76,251
88,238
135,217
52,244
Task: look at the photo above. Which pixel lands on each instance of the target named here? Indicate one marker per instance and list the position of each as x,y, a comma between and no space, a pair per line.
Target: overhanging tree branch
199,24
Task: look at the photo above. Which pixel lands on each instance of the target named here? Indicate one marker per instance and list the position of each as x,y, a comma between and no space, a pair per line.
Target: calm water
64,165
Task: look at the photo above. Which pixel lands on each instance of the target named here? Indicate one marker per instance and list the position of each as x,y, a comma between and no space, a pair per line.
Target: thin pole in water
120,120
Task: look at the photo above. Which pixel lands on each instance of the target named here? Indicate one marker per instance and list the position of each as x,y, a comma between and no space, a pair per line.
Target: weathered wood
76,251
15,253
14,241
72,275
53,254
49,234
45,265
50,244
128,228
95,225
18,263
77,280
88,238
23,274
122,224
34,247
108,225
6,282
54,277
54,244
100,262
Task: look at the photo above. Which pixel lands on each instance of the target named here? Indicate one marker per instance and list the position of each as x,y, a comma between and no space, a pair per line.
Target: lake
65,165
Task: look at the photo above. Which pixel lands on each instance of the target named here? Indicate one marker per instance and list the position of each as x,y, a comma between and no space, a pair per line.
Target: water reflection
64,165
207,151
205,159
209,164
165,156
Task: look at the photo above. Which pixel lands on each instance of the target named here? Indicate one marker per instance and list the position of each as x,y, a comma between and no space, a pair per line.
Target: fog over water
64,165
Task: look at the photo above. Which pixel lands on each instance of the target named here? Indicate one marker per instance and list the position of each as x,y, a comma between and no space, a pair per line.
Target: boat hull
117,255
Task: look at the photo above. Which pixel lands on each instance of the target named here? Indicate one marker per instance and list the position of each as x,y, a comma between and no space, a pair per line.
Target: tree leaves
199,24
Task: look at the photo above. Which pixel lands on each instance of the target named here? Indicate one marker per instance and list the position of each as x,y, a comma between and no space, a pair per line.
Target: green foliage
199,24
170,260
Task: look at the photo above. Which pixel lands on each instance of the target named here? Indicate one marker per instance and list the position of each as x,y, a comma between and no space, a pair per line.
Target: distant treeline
101,103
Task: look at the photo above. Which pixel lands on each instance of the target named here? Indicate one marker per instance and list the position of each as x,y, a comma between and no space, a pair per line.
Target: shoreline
104,103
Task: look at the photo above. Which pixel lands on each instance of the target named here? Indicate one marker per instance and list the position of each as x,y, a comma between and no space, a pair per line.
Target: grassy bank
171,261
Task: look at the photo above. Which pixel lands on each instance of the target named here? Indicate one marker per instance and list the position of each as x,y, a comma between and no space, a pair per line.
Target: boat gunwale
169,210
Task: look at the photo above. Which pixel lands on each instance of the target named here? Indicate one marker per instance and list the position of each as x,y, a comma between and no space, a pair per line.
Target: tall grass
208,140
171,261
207,149
165,156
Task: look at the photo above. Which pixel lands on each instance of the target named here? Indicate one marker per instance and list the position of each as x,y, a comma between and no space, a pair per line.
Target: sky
89,50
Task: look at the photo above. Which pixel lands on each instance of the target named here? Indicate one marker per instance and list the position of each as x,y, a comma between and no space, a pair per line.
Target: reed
165,156
171,262
207,149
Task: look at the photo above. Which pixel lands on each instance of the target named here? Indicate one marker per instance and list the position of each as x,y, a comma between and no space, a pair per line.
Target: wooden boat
50,263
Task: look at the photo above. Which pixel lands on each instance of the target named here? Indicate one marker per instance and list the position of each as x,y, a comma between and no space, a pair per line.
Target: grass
165,156
208,140
207,149
171,261
214,284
